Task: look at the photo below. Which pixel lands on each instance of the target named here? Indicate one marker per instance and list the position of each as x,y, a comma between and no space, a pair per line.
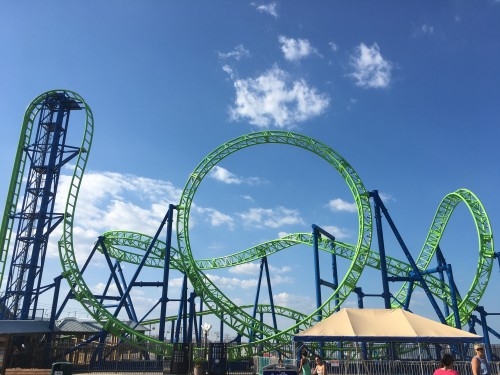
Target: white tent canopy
387,325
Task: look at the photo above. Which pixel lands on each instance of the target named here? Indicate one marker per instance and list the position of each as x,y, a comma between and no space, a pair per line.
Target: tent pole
420,357
357,358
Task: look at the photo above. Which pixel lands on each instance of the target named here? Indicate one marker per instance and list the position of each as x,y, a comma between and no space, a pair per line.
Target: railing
124,358
398,367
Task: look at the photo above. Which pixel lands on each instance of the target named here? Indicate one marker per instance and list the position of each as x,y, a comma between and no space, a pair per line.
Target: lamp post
206,327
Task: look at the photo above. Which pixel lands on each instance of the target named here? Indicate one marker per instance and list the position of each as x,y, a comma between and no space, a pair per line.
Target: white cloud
246,269
271,8
271,218
371,70
100,287
338,233
386,197
247,197
215,217
352,102
296,49
427,29
333,46
113,201
223,175
237,53
293,301
254,269
271,99
216,246
278,279
232,283
280,270
341,205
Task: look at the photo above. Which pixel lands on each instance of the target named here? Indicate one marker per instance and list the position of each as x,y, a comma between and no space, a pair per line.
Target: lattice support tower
36,218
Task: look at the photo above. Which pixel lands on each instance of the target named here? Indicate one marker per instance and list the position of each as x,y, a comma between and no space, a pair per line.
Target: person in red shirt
446,366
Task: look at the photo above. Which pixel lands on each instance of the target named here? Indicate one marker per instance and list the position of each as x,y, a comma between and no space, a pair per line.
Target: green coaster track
359,254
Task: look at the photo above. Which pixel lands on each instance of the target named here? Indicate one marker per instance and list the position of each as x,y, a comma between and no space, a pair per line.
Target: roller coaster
43,155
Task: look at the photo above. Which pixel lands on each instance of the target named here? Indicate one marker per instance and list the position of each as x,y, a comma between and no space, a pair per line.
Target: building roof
20,327
68,325
76,325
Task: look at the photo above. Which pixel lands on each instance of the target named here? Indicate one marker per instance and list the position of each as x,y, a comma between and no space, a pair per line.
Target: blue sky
407,92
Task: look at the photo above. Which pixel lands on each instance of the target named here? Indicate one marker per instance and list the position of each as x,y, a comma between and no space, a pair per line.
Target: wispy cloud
333,46
235,283
270,8
273,99
271,218
386,197
296,49
339,233
214,217
371,70
298,302
424,29
232,283
237,53
341,205
113,201
246,269
254,269
427,29
223,175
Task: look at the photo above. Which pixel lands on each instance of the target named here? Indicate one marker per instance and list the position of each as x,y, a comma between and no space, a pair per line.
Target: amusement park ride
29,219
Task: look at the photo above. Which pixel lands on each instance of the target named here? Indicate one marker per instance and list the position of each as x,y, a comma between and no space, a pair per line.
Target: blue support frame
263,267
37,218
415,274
381,249
486,331
317,232
166,271
140,266
113,275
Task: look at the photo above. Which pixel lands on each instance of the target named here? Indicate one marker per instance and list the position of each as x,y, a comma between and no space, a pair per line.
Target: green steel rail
213,298
261,309
217,303
116,241
470,301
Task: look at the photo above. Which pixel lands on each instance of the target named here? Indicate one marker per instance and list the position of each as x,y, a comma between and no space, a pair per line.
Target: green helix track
359,254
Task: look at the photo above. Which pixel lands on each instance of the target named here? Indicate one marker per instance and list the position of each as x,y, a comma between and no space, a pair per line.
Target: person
479,363
320,368
304,366
446,366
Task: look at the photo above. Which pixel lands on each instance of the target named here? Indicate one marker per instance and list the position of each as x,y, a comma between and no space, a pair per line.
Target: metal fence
398,367
122,358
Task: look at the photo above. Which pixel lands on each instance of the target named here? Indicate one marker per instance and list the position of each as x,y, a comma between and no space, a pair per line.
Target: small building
31,343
